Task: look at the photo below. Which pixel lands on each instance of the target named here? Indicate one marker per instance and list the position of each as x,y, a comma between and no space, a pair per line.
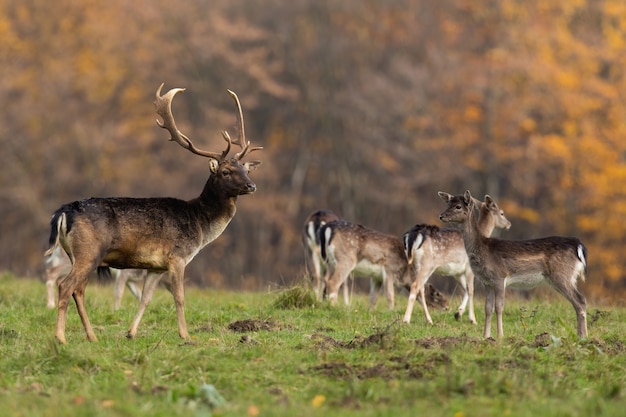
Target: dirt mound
250,325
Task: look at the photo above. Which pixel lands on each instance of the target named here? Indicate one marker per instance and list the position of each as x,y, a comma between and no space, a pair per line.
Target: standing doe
500,263
156,234
433,250
349,247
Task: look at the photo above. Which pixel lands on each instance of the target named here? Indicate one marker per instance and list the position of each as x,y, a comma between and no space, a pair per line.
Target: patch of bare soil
447,341
347,371
250,325
358,342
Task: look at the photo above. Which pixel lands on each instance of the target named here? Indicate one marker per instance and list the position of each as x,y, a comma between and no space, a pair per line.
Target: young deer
156,234
348,247
433,250
312,251
500,263
58,265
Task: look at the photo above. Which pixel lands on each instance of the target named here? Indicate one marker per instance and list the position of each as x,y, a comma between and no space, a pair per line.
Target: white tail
161,235
312,251
498,263
433,250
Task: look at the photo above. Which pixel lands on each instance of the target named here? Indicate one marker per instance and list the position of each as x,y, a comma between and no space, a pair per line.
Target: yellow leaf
318,401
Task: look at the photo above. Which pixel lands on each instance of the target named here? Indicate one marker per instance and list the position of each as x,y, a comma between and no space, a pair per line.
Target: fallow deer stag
498,263
312,251
348,247
156,234
433,250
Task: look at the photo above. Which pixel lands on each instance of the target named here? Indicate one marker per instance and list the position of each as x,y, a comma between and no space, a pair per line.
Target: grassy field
260,354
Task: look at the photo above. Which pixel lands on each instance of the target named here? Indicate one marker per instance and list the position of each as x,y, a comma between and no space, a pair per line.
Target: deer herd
147,241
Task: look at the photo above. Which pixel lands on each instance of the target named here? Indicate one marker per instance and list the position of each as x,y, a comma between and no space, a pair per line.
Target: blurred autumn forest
364,107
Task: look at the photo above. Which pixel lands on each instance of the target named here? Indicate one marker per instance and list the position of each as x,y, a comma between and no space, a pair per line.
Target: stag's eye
458,207
226,172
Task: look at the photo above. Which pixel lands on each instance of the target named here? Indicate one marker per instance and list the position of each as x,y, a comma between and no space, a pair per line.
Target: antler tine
241,140
163,106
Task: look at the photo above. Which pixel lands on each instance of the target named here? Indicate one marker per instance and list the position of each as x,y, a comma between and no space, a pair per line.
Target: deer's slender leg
462,279
499,291
68,285
571,293
338,276
79,299
178,292
489,308
417,291
470,292
152,280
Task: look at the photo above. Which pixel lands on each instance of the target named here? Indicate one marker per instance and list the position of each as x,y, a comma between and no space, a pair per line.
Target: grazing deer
498,263
156,234
348,247
58,265
435,298
433,250
312,252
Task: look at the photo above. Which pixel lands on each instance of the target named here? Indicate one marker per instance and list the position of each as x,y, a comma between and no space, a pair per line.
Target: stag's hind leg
73,285
79,299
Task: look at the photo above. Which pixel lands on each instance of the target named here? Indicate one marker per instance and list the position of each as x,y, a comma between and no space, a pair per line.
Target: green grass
304,359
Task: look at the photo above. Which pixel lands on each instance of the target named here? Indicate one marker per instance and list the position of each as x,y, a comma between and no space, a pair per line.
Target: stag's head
230,173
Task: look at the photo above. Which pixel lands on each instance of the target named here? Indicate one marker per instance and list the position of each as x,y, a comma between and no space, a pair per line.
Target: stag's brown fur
498,263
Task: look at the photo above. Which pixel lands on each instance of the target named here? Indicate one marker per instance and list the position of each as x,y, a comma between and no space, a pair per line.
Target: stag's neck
217,207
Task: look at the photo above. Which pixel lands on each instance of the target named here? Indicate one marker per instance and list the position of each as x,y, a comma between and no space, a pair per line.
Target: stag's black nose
250,187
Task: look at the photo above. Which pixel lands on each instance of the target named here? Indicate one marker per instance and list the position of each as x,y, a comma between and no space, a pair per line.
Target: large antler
163,105
241,140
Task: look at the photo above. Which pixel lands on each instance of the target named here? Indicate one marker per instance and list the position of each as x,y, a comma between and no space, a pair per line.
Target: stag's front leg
152,280
178,291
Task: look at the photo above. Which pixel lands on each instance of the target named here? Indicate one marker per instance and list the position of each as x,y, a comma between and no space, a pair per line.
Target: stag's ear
445,196
213,165
251,165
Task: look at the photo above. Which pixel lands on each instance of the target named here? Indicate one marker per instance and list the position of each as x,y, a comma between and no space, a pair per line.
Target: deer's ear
251,165
213,165
488,200
467,197
445,196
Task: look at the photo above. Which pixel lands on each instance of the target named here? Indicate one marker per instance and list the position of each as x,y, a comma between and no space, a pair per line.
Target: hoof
457,316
